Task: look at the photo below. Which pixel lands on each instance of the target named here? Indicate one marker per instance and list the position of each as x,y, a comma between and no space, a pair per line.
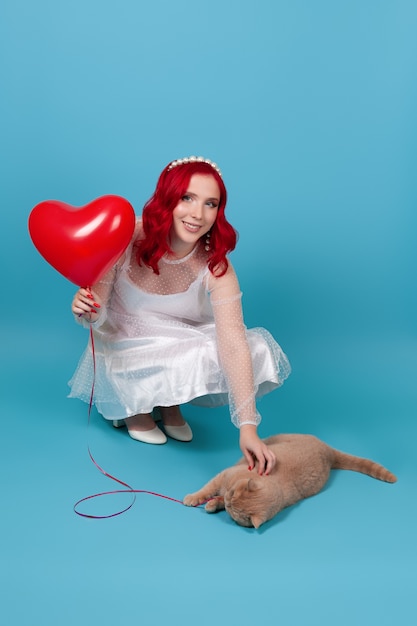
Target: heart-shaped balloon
82,243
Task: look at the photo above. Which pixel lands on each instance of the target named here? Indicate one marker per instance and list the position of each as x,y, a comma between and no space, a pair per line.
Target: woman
168,322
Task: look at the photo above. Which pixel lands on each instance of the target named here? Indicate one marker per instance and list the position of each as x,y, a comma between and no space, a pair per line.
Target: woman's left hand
256,452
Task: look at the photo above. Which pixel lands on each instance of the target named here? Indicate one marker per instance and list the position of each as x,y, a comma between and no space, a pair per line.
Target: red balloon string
128,489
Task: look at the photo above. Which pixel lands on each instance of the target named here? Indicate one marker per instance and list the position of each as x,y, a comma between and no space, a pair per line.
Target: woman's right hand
86,303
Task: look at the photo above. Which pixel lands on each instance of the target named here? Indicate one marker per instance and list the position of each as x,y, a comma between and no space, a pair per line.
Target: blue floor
346,556
309,110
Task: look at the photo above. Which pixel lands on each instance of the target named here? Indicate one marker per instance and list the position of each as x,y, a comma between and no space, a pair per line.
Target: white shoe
154,436
180,433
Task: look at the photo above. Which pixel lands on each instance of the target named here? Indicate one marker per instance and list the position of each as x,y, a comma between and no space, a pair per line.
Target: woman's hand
256,452
86,303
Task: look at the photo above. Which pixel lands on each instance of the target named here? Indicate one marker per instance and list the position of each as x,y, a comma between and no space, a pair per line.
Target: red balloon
82,243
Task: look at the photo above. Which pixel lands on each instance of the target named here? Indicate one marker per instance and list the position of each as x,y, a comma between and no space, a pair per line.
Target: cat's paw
192,500
215,504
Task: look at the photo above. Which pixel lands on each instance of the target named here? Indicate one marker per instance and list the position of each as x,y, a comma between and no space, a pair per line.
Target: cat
302,469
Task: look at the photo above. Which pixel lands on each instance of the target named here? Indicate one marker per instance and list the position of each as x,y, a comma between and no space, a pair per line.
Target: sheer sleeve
103,288
233,348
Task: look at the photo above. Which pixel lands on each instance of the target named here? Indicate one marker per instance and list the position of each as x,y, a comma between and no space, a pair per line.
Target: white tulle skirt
135,374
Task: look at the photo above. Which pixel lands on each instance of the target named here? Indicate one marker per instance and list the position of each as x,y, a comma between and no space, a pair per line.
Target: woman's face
194,214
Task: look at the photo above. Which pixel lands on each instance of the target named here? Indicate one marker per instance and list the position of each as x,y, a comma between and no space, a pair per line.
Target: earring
207,246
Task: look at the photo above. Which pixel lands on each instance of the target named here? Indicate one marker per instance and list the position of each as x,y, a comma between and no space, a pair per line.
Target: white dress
174,338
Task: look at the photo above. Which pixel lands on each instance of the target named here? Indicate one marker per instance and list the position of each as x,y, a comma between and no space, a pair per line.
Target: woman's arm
236,361
89,306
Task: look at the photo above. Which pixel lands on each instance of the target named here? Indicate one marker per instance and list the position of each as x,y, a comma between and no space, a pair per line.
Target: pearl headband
194,159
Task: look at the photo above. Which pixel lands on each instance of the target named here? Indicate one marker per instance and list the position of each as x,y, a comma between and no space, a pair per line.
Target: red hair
157,218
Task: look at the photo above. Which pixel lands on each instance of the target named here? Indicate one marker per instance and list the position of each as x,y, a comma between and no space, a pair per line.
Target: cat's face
247,503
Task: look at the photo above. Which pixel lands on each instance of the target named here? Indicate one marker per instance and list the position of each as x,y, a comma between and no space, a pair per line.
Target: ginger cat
302,469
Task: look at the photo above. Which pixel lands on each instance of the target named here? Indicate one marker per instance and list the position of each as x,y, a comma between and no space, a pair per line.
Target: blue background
309,108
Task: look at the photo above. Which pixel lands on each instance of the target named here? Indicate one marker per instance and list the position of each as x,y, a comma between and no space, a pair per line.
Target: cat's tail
344,461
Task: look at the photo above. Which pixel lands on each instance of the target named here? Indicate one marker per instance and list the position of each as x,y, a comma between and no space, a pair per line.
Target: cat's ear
257,520
253,484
